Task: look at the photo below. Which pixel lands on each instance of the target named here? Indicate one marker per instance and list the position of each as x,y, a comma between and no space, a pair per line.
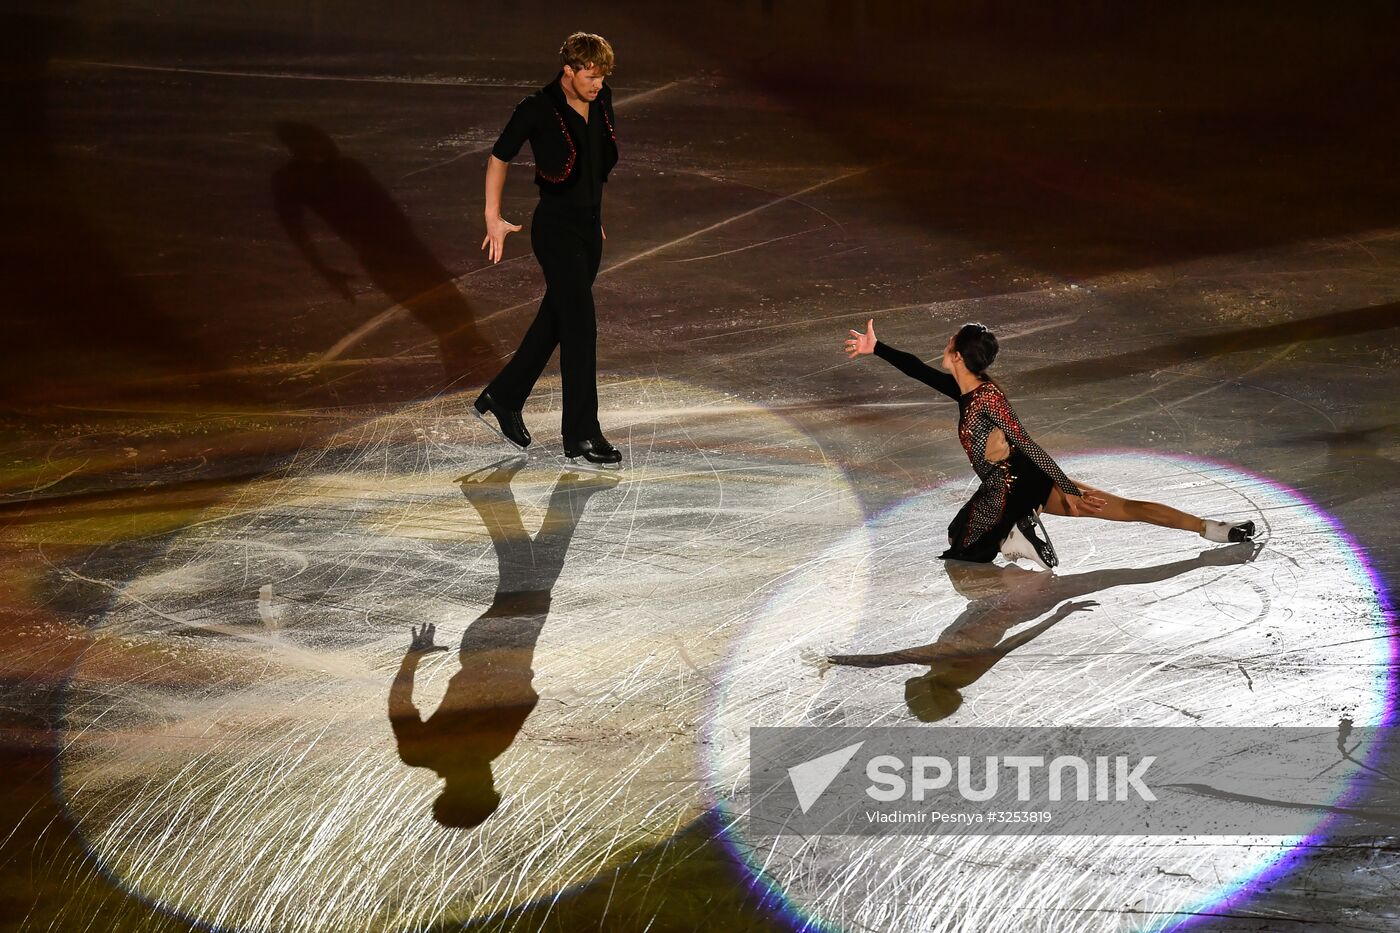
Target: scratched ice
1184,634
230,751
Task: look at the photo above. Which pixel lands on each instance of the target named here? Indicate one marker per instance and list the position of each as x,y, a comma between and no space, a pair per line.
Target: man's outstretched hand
422,642
859,344
497,229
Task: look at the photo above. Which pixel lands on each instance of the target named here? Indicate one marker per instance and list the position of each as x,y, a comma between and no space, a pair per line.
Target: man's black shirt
536,118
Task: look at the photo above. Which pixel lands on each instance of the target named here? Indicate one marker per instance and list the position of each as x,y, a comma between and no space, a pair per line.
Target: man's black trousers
568,242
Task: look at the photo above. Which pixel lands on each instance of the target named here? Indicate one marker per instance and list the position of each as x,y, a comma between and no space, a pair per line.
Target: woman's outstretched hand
859,344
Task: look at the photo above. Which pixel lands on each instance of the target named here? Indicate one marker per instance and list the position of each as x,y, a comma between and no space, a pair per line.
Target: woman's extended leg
1130,510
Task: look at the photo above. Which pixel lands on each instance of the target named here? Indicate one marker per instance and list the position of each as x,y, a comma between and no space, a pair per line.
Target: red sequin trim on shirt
573,154
608,123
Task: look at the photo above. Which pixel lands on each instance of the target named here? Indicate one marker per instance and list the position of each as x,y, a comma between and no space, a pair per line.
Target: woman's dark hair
978,347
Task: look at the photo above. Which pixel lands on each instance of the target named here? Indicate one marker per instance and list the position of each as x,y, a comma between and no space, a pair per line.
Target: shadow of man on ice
361,211
490,697
999,599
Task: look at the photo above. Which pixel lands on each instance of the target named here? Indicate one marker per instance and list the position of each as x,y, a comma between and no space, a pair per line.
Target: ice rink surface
249,315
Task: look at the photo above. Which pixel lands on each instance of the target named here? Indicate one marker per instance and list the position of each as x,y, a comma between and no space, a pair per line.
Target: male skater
569,123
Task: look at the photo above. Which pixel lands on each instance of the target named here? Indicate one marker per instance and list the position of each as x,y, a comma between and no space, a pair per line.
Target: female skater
1018,478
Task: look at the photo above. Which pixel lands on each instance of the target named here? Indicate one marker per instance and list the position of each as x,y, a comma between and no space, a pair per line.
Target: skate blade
583,465
495,429
1048,557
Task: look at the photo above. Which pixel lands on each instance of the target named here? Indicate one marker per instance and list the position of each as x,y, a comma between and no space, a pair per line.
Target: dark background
156,314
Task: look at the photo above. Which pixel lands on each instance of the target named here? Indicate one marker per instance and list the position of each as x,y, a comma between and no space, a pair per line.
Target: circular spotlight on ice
248,747
1183,633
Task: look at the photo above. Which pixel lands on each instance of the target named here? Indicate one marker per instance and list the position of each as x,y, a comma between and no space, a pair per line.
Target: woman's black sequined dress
1012,488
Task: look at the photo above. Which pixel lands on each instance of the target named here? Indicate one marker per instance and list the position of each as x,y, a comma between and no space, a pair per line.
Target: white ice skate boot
1033,530
1016,547
1228,532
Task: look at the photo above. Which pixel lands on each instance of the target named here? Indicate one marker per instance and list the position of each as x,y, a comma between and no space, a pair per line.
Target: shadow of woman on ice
361,211
489,699
999,599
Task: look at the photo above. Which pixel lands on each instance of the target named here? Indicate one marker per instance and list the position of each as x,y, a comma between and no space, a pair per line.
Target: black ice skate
596,450
512,425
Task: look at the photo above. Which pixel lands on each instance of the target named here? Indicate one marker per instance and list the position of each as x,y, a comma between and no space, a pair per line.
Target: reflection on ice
1001,597
489,699
242,772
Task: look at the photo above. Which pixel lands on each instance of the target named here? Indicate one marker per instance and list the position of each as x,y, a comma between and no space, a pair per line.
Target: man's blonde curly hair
586,50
